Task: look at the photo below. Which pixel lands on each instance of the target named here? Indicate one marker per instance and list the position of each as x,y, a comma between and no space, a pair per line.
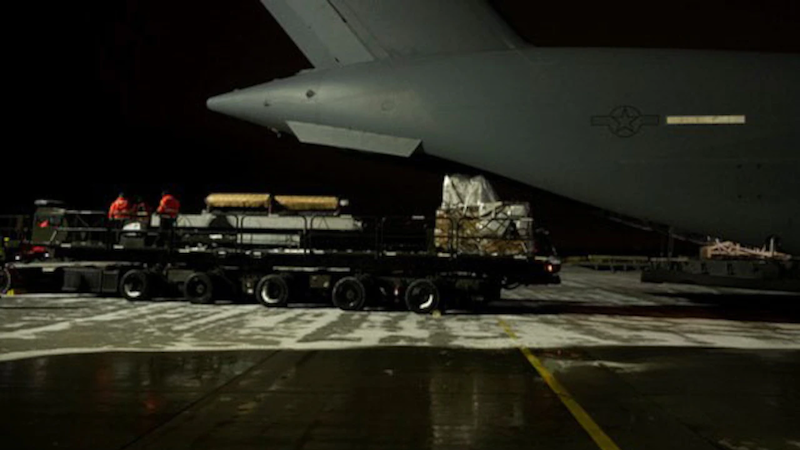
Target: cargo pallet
743,273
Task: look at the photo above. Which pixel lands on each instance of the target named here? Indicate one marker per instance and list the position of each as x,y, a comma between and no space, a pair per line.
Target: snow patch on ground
40,325
32,333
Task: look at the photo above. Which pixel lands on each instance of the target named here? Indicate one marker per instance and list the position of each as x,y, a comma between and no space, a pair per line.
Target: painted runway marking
584,419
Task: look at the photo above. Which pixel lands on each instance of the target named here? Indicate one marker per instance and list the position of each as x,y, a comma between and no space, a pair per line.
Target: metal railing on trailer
375,235
387,249
13,232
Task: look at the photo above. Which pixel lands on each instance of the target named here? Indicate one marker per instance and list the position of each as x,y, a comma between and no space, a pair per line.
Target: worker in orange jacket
169,207
120,209
168,210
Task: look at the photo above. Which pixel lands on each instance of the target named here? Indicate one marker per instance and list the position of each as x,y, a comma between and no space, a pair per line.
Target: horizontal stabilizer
309,133
340,32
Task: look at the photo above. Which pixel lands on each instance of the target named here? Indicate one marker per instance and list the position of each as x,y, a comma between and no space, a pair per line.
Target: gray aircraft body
703,141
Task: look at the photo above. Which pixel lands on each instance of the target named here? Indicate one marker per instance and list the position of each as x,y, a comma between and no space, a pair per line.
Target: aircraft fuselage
707,142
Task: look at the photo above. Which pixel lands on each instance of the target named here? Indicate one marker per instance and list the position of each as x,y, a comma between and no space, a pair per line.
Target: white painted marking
707,120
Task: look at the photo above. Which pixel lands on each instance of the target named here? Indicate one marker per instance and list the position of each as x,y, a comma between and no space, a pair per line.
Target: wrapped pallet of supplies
307,202
471,220
503,231
238,201
459,191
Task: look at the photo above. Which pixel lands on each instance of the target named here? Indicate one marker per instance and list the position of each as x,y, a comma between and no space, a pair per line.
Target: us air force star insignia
625,121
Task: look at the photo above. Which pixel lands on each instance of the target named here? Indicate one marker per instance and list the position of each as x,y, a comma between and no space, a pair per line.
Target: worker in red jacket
169,206
120,209
168,210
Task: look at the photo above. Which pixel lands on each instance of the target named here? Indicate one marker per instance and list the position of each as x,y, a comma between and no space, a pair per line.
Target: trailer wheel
199,289
5,280
492,291
136,285
349,294
273,291
422,296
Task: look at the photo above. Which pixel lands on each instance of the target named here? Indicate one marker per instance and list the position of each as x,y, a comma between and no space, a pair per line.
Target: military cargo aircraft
702,141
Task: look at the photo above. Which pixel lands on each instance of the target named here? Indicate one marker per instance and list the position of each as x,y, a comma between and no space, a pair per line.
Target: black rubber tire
274,291
422,296
5,280
199,289
136,286
492,291
349,294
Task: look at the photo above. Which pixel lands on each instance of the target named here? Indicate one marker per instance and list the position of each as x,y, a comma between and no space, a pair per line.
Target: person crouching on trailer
168,210
121,208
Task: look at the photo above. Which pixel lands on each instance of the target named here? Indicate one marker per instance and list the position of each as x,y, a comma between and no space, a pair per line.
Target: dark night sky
111,94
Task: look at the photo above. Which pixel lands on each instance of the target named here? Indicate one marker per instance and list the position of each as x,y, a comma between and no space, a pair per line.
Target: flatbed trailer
743,273
375,266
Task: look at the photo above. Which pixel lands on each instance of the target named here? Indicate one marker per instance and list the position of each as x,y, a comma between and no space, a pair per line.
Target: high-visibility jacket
169,206
120,209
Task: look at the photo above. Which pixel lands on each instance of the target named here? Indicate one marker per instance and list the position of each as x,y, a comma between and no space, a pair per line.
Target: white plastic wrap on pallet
461,191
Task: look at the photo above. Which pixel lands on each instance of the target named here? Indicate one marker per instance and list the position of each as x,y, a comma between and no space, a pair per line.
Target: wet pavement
654,366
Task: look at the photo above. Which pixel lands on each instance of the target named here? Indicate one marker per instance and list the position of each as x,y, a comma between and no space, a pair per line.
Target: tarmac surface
601,361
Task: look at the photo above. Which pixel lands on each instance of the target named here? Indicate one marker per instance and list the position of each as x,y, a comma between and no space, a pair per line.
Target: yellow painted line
707,120
584,419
